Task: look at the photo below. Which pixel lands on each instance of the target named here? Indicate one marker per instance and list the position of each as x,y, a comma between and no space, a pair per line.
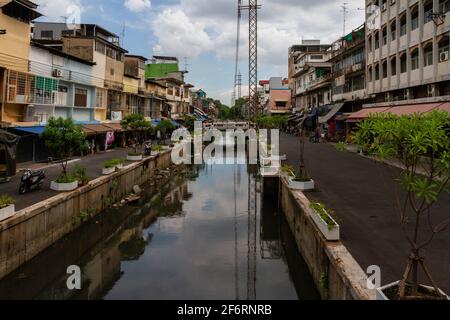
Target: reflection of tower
251,241
236,254
239,85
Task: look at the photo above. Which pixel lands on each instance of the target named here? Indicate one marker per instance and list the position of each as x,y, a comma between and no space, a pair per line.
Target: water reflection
206,234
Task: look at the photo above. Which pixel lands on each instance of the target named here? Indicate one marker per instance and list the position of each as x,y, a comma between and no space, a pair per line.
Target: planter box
63,187
382,296
301,185
119,166
134,158
331,234
107,171
7,212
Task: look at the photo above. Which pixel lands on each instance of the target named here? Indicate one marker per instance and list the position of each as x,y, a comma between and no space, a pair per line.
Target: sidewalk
362,197
92,163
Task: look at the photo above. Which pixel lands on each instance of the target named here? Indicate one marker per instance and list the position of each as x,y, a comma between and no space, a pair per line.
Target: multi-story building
408,55
158,105
95,44
15,25
304,60
279,98
307,47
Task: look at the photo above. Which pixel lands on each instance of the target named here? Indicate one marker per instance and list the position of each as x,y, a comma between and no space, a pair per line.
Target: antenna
123,33
345,11
186,65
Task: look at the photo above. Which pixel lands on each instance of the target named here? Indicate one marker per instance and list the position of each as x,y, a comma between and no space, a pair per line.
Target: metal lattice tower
253,57
239,85
236,67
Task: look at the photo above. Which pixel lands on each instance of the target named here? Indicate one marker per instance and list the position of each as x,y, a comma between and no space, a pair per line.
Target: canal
203,232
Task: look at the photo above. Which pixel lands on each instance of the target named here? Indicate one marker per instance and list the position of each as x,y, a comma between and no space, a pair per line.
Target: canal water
204,232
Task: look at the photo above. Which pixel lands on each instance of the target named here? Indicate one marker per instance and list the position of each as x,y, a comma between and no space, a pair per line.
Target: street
362,197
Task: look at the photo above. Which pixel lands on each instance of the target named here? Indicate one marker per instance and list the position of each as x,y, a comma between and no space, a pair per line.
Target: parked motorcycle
148,148
31,180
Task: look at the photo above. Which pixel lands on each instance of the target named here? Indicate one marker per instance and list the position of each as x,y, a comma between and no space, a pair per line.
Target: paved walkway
93,164
356,188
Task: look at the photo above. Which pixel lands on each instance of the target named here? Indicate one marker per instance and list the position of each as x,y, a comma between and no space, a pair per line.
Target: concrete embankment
336,273
37,227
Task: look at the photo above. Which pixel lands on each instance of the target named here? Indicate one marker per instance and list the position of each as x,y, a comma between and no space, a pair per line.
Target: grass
6,201
325,214
112,163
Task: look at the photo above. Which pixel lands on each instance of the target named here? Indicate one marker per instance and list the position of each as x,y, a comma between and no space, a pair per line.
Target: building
15,25
408,56
304,60
279,97
92,43
305,48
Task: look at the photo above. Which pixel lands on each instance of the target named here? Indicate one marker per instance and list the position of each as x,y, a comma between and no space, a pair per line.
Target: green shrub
6,201
66,178
324,213
157,148
112,163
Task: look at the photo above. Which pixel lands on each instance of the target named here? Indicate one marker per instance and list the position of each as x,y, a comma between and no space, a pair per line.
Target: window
415,59
428,55
403,25
369,40
369,73
444,49
317,57
384,32
377,40
393,66
100,47
280,104
377,72
111,72
414,18
100,98
428,10
47,34
394,30
80,97
65,33
385,71
403,63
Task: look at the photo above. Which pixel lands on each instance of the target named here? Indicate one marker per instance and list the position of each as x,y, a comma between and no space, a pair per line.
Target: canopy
334,110
33,130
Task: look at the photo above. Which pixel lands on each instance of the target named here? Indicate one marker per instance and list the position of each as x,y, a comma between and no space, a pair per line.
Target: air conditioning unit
57,73
443,56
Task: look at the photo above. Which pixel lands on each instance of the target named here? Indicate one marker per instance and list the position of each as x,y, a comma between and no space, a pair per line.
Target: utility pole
238,36
239,85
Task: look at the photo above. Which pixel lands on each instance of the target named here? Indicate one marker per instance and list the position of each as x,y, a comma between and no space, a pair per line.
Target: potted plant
421,143
63,138
323,219
7,207
80,173
134,156
296,180
109,167
156,149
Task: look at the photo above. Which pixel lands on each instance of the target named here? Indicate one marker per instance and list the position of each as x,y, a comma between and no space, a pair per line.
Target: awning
365,113
335,109
422,108
97,128
114,126
33,130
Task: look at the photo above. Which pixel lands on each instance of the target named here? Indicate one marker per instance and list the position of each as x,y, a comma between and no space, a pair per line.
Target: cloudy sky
203,32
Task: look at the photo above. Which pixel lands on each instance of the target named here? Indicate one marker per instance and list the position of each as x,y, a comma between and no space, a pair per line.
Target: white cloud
137,5
56,10
177,35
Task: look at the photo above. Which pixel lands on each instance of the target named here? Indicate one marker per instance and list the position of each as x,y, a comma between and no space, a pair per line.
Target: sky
203,32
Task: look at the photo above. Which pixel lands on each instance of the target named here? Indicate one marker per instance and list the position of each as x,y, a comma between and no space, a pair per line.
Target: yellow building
15,29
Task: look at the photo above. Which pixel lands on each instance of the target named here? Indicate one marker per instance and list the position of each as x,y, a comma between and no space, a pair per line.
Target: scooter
31,180
148,148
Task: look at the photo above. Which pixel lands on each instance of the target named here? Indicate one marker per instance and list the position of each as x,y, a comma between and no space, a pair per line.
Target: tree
421,143
165,126
62,137
137,124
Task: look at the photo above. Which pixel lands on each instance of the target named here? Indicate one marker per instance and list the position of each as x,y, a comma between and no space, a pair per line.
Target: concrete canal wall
35,228
336,273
